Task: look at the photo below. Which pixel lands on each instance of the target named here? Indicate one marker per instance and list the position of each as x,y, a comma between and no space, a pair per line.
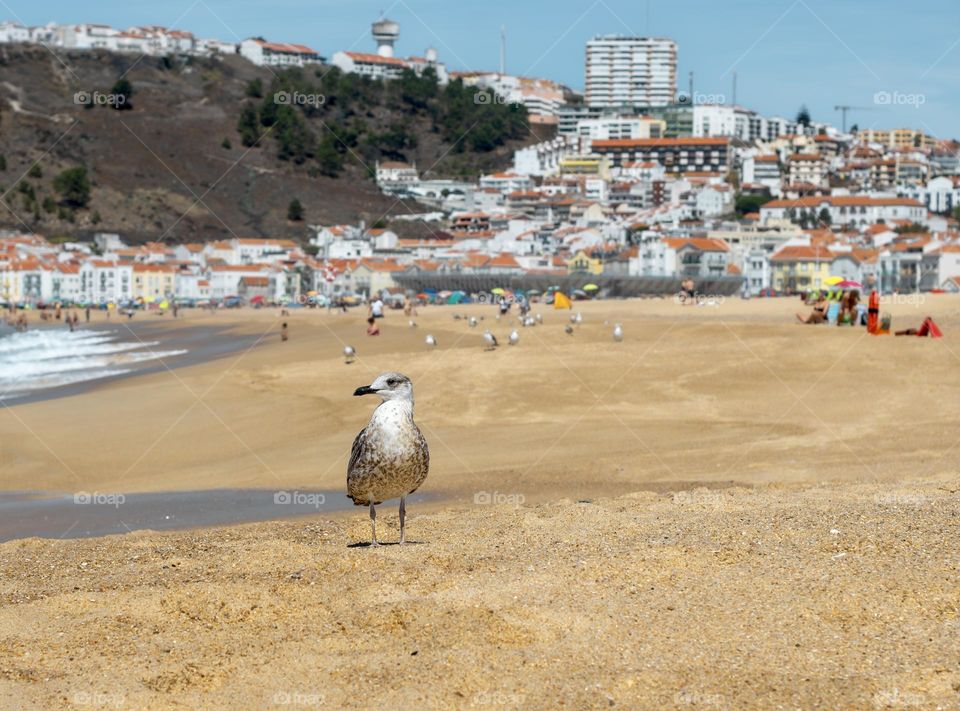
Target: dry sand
771,521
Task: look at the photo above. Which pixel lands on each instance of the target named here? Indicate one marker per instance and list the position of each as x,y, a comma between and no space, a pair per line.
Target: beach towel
833,313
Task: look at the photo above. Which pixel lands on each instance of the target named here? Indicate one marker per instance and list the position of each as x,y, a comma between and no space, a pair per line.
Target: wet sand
726,510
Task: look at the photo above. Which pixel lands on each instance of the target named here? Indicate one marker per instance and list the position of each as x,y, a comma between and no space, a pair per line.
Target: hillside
201,150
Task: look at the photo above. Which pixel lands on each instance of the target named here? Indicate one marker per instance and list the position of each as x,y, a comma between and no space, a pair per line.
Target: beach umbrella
498,291
258,299
833,280
533,292
850,284
591,287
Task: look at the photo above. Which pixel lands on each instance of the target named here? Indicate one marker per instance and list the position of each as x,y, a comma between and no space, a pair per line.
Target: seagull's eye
393,382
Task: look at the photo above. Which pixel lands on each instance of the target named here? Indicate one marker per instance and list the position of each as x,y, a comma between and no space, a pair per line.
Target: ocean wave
46,358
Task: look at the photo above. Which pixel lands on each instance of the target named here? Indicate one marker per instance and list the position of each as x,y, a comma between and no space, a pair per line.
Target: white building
844,210
631,71
940,195
507,182
277,54
395,177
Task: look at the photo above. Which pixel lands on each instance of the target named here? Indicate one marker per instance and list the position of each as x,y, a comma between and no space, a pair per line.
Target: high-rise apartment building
631,71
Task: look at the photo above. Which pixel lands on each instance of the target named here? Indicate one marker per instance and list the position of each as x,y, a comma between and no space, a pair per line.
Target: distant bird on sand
538,318
431,341
618,333
490,340
514,337
573,318
529,322
390,457
349,353
568,329
413,324
578,319
456,317
472,322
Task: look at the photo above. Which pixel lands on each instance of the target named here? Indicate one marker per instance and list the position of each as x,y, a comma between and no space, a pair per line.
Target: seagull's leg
373,524
403,515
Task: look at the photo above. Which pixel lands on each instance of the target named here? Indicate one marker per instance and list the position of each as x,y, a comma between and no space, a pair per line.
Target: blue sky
785,52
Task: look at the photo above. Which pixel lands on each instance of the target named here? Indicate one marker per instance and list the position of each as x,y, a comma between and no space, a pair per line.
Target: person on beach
284,333
819,313
372,328
86,314
848,308
376,308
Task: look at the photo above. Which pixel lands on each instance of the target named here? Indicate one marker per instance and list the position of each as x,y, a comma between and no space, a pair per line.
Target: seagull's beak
365,390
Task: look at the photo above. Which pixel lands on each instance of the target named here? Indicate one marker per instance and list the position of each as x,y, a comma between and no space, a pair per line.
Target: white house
278,54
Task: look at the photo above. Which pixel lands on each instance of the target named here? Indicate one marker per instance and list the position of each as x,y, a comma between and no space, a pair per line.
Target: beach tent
562,301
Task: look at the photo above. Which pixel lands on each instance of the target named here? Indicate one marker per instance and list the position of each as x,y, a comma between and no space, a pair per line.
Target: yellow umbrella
591,287
832,281
498,291
164,305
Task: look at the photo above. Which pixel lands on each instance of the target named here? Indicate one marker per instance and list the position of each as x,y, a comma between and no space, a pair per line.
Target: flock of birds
490,341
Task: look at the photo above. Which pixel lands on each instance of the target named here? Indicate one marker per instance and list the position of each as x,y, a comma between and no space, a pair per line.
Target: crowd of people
835,306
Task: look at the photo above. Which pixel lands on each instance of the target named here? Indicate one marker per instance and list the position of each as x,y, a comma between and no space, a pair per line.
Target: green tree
803,116
73,186
35,171
3,162
295,211
248,125
751,203
49,205
225,143
254,89
122,88
329,160
824,217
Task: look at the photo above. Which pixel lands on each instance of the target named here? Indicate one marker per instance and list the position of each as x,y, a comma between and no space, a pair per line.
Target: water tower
385,32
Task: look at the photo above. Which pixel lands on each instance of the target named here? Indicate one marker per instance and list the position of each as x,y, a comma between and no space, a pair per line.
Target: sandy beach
726,510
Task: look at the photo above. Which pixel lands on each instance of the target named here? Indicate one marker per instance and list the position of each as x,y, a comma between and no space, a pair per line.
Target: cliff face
172,163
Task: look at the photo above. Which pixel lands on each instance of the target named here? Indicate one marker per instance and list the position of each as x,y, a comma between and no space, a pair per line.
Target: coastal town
640,180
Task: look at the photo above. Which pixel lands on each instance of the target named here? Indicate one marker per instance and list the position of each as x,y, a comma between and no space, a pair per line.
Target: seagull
490,340
578,319
539,318
390,457
514,337
413,324
569,329
473,322
573,318
618,333
456,317
431,341
349,353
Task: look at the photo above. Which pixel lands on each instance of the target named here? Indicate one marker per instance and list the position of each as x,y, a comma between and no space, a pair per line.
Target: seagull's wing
355,453
357,449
